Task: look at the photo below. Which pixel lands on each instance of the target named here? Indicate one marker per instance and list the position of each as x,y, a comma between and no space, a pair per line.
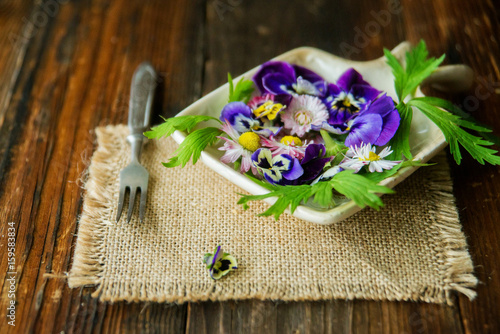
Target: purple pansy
312,164
376,125
277,77
348,97
219,263
239,116
278,169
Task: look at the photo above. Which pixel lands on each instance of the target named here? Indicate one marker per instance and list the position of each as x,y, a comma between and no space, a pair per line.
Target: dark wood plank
73,76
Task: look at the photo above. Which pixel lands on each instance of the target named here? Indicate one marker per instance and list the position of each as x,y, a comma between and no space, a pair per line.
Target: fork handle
142,90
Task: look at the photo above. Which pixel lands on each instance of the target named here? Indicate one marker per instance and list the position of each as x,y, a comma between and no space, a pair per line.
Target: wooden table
65,68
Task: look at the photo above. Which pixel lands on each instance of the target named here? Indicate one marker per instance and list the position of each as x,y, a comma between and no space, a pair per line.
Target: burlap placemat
413,249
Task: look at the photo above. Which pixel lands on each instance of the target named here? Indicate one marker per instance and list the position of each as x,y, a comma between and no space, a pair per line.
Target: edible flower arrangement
310,141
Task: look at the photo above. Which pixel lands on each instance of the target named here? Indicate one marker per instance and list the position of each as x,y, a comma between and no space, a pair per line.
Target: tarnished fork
135,177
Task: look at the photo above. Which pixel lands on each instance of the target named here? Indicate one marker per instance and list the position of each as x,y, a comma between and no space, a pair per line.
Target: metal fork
135,177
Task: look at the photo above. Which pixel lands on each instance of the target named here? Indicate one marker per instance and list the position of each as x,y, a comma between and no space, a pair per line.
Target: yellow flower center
250,141
346,102
291,141
371,157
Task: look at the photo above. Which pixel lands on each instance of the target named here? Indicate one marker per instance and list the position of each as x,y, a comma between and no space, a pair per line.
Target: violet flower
219,263
348,97
376,125
313,162
277,77
239,116
278,169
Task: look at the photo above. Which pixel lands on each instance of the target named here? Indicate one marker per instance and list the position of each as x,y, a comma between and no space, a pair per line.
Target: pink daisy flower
237,146
290,145
304,112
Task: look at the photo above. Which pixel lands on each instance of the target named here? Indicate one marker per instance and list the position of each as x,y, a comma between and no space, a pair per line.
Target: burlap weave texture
412,249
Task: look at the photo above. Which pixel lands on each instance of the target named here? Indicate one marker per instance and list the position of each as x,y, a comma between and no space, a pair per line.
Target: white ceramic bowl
425,139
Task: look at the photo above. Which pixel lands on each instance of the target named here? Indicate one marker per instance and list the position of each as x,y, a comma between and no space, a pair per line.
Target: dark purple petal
382,106
312,170
233,109
332,90
277,83
307,74
284,99
217,256
391,124
313,151
364,91
295,171
273,67
350,78
364,129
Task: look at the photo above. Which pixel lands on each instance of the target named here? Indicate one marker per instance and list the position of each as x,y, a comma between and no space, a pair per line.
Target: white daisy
365,155
304,112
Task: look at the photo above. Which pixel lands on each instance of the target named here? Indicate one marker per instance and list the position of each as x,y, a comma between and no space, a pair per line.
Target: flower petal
295,171
277,83
364,129
391,125
232,109
365,92
307,74
273,67
350,78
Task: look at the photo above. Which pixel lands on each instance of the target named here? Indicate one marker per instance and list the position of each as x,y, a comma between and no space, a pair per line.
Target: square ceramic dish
425,139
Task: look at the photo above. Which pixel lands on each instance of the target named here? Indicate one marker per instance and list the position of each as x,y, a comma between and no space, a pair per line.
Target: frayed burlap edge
456,261
88,262
88,259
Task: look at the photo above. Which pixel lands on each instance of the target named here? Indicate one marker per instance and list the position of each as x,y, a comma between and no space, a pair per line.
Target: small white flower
365,155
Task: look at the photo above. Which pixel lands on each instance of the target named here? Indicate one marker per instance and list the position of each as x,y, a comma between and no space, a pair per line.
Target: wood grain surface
65,68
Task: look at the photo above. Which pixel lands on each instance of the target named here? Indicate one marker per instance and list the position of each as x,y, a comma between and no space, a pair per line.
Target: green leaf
440,103
354,186
398,72
360,189
323,193
181,123
242,91
288,196
333,147
418,68
193,145
400,142
450,125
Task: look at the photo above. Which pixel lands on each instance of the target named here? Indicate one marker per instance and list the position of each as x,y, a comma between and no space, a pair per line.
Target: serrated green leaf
287,196
242,91
472,124
323,193
360,189
418,68
398,72
193,145
455,135
181,123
